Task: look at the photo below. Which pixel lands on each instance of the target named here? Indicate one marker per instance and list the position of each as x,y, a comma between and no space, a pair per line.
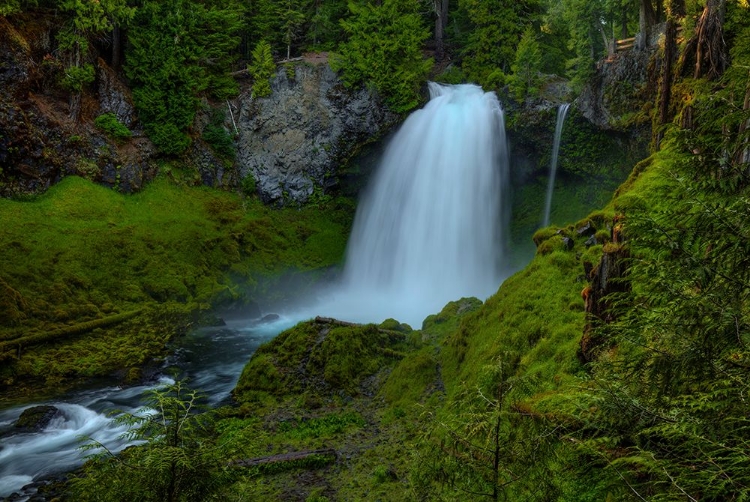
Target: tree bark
441,22
646,21
665,91
116,44
710,49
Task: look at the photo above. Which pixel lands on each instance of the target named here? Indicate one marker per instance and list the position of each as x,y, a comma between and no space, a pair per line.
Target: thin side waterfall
432,226
561,112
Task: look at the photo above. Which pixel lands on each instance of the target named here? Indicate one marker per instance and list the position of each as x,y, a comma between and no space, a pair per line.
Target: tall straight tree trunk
116,44
646,21
743,155
665,87
441,22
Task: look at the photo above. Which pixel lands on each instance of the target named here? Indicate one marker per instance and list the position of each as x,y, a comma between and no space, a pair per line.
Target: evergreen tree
526,66
87,20
179,50
324,30
292,16
385,48
493,33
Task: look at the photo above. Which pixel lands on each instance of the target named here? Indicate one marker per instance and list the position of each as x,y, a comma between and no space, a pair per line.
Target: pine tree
385,48
526,66
177,51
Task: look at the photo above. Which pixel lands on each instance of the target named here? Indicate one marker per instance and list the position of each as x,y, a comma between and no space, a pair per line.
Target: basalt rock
40,143
294,140
36,418
618,91
114,96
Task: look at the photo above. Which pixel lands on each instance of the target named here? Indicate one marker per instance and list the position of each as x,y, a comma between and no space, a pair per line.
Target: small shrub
217,136
248,185
112,127
77,77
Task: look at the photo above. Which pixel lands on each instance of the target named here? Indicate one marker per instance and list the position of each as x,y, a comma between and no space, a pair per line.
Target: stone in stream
36,418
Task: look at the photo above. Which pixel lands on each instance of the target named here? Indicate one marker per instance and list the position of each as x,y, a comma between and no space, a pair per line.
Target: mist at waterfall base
432,226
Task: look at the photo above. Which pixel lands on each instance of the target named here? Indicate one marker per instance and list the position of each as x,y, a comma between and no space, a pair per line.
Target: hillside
613,366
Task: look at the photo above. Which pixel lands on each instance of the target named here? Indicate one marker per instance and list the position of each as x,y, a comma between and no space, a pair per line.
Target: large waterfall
561,112
432,226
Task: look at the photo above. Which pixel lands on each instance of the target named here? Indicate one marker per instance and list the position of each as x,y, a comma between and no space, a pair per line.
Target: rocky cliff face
621,90
293,141
290,142
39,142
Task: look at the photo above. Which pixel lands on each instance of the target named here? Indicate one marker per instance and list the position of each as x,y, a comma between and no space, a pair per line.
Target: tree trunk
439,48
610,46
665,91
623,20
646,21
710,49
441,22
116,44
743,155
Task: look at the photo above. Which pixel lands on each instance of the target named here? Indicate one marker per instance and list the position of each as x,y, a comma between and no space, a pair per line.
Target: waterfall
561,112
432,226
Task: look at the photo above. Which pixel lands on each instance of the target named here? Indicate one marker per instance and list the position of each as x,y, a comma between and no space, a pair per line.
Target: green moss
411,378
321,358
81,253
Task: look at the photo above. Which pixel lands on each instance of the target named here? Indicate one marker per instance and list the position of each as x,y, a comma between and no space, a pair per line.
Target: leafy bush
217,136
385,49
115,129
177,462
262,69
78,77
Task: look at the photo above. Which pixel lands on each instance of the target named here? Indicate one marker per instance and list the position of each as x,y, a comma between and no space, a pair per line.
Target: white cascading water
432,227
561,112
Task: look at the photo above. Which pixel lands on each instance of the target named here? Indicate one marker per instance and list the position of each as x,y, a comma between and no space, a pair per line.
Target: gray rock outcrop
294,140
616,93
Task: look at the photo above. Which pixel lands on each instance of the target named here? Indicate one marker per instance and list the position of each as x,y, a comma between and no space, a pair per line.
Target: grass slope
81,253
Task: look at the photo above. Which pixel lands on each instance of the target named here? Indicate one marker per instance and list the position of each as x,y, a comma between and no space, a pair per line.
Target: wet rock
266,319
293,141
568,243
616,89
114,96
591,241
587,229
36,418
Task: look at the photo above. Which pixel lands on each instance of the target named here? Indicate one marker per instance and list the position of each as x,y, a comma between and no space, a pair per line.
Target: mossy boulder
324,357
36,418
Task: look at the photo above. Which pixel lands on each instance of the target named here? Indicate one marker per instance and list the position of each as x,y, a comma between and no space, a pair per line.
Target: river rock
36,418
294,140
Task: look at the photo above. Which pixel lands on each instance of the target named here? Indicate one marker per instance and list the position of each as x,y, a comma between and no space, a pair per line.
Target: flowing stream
432,228
561,112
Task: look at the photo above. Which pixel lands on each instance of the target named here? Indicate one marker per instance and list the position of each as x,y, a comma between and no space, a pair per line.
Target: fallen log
336,322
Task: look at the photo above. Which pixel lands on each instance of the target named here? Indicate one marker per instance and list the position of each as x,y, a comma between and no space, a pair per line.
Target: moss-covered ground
94,282
395,392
